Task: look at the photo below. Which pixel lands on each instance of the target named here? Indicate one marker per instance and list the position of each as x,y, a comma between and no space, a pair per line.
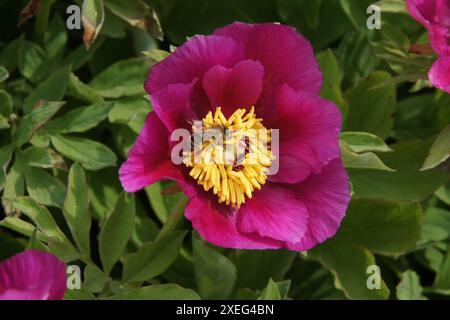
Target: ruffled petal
440,73
238,87
274,212
173,105
290,170
309,132
149,158
217,225
287,57
434,15
326,197
32,275
422,11
192,60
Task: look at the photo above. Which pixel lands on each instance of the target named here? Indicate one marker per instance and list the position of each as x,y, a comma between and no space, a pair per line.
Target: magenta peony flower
32,275
434,15
246,77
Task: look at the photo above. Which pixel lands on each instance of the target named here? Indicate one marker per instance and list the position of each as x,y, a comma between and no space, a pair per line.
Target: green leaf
44,188
34,121
436,225
42,218
215,274
357,57
443,193
256,267
409,287
5,158
43,158
137,13
80,56
4,74
356,12
6,104
306,16
41,139
158,292
442,280
9,55
80,119
415,117
90,154
14,186
130,111
360,142
93,16
23,227
113,27
81,91
284,287
94,278
407,182
153,192
63,250
369,226
4,123
271,292
332,79
55,39
153,258
31,60
392,6
76,294
76,209
371,109
368,160
116,231
51,89
34,242
145,229
156,54
440,150
104,189
123,78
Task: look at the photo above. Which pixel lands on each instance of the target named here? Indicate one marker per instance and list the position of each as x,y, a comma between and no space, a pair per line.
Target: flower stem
42,18
174,217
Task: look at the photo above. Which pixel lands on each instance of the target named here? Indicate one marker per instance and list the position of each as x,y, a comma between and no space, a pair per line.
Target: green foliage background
69,115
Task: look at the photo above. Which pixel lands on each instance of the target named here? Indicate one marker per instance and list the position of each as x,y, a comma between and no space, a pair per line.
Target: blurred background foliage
68,116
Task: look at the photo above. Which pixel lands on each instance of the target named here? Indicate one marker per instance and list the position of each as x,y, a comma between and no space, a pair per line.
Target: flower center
230,156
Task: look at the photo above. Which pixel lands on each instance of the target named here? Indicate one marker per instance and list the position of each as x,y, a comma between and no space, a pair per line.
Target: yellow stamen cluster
235,165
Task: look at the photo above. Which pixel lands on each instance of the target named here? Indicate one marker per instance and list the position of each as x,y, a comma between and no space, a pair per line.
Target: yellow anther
237,168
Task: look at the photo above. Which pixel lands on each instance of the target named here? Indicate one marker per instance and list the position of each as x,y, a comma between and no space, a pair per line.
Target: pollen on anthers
230,156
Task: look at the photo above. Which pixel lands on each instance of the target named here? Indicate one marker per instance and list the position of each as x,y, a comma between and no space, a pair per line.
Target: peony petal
216,224
32,275
434,15
173,107
274,212
326,197
290,170
149,159
238,87
309,131
440,73
287,57
422,10
192,60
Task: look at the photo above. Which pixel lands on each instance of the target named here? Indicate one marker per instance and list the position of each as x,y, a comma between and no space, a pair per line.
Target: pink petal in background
32,275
